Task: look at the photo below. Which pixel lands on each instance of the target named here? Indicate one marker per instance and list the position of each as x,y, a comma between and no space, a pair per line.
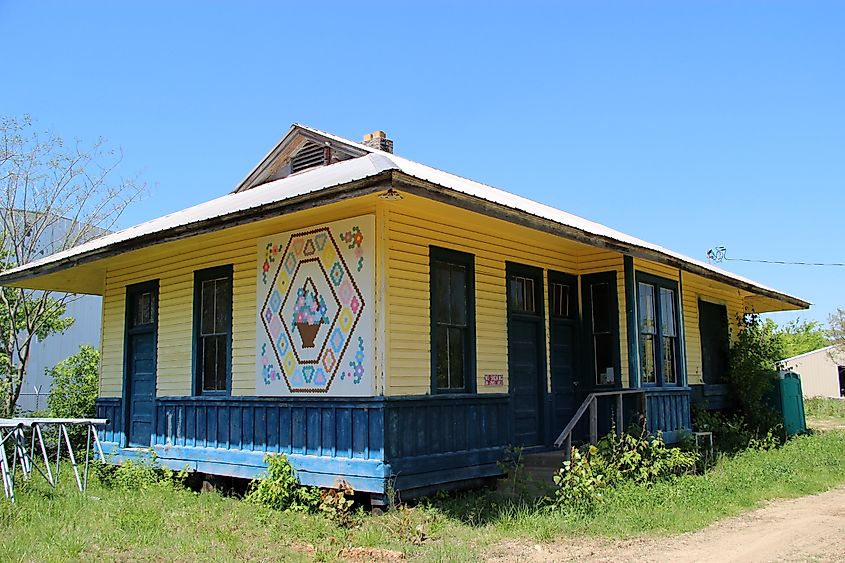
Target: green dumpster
789,402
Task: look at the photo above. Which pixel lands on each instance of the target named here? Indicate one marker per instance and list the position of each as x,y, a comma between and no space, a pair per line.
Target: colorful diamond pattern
314,248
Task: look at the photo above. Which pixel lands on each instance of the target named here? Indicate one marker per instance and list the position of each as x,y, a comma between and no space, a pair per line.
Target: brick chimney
378,140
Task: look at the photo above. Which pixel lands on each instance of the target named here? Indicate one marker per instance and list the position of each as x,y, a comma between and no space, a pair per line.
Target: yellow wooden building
380,321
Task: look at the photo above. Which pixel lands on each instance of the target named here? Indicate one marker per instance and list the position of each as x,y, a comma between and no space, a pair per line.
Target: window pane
647,358
529,296
603,346
458,290
211,363
667,312
207,307
517,294
222,304
144,309
456,358
442,368
646,308
600,301
220,363
560,300
522,295
669,364
441,287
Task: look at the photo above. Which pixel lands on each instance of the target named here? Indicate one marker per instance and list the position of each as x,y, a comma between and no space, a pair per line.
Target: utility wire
719,254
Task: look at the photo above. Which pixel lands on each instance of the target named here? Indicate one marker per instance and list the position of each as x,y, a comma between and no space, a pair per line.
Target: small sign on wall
494,380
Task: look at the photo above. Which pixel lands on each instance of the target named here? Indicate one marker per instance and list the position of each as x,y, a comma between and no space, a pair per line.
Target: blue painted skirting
405,442
668,410
409,443
434,440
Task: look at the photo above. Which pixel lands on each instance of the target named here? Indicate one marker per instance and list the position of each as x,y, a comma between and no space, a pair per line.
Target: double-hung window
213,329
452,321
657,301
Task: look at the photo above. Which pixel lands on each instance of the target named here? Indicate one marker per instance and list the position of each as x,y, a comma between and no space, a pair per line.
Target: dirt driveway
804,529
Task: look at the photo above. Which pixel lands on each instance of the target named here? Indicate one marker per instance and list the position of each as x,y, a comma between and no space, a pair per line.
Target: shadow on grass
483,507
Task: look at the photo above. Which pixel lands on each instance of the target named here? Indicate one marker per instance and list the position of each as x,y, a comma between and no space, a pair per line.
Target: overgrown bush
580,484
76,379
732,433
281,490
752,371
138,474
634,457
73,393
640,458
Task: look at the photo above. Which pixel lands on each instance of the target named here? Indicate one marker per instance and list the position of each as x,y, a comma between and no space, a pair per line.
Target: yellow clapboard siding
655,269
414,225
697,288
174,264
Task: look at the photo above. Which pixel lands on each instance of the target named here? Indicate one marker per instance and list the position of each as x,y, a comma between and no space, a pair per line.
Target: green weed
167,522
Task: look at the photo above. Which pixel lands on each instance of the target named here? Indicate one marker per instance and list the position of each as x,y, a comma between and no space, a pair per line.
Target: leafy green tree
800,336
76,379
753,367
53,196
837,326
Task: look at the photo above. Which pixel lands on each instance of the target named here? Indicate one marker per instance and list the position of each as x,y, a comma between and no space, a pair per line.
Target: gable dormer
303,149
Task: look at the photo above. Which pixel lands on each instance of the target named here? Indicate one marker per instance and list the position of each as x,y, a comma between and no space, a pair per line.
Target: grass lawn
824,413
165,523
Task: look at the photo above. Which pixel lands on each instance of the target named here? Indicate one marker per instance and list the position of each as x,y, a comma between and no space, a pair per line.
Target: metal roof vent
311,154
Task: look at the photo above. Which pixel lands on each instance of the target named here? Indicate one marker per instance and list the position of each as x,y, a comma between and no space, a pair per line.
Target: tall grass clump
824,407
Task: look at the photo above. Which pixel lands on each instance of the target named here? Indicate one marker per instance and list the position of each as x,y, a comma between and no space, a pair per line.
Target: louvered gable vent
311,154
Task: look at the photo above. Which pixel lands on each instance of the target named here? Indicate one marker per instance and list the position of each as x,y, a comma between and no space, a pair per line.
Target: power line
719,254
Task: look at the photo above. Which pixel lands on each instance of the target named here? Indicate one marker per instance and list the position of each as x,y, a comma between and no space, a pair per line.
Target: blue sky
689,124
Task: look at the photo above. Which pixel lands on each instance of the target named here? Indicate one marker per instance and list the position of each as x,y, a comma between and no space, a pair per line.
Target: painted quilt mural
316,298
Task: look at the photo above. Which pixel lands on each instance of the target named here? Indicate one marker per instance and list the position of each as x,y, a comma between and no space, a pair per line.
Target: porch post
631,322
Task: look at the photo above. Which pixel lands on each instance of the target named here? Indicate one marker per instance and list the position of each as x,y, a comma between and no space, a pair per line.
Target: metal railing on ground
26,450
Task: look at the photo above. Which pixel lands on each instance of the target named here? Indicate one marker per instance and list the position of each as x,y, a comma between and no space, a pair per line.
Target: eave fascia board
430,190
341,192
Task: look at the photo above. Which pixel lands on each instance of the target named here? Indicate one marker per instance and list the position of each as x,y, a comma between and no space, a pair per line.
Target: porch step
542,466
548,460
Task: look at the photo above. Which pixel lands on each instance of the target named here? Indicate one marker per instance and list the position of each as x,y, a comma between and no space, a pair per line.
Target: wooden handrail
591,402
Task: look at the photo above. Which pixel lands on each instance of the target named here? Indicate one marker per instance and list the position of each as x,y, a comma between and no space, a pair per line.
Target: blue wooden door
140,369
526,354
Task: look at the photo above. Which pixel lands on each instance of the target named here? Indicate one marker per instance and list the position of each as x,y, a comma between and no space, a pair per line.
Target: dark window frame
660,283
587,318
467,261
708,376
201,276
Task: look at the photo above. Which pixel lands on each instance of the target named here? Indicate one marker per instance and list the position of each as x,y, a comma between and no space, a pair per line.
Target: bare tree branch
54,196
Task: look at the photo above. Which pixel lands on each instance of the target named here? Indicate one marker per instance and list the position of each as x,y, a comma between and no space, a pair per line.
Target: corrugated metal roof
813,352
373,163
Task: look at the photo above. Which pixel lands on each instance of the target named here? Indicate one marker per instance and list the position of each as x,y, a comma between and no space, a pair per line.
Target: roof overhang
372,172
427,189
47,270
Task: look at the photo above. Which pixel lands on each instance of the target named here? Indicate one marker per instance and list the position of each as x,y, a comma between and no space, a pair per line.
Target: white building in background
822,372
85,309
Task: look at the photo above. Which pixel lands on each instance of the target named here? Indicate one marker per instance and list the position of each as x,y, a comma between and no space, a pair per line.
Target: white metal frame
14,432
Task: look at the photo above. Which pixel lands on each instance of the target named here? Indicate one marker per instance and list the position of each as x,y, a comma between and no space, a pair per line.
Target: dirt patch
355,554
807,528
370,554
826,424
